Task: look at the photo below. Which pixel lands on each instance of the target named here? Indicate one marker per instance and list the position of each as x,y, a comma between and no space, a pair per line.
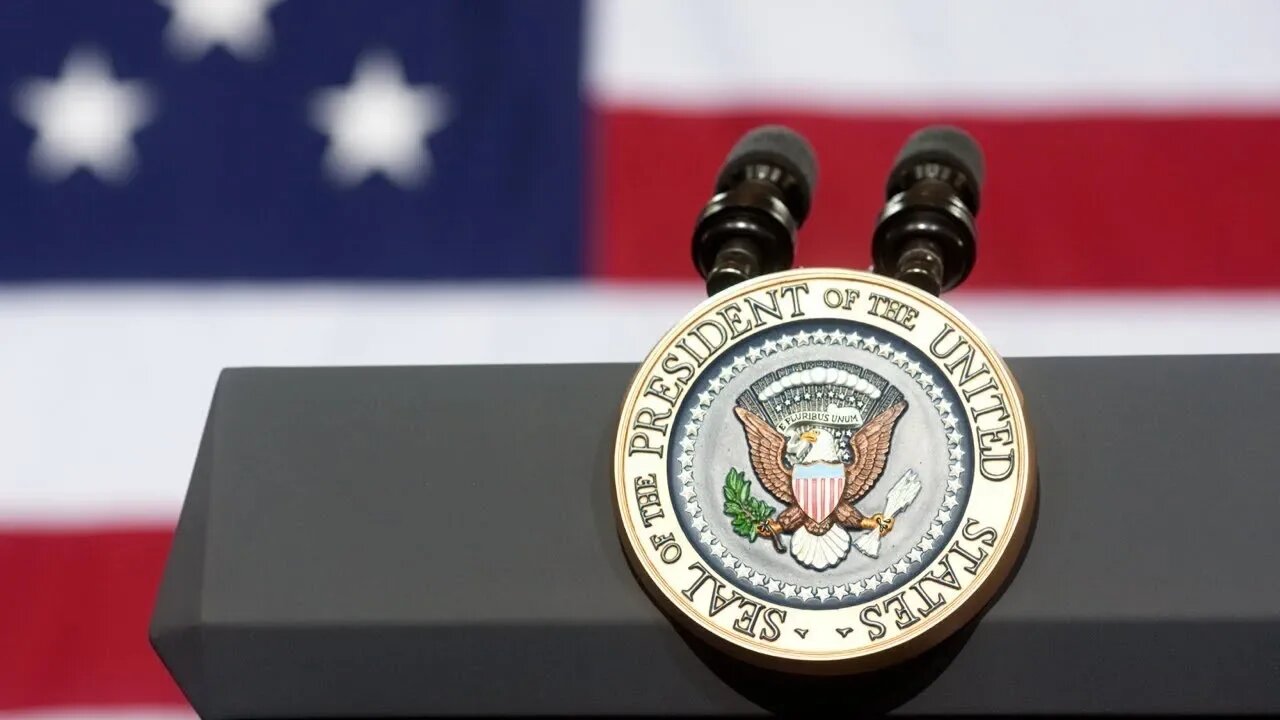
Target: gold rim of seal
966,606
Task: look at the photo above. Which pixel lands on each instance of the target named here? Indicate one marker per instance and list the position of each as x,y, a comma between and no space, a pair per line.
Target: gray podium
391,542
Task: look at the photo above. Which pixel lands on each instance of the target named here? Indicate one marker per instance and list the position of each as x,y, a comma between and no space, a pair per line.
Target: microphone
762,196
925,234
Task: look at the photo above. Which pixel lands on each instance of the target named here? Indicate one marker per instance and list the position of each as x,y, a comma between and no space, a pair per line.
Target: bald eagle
818,487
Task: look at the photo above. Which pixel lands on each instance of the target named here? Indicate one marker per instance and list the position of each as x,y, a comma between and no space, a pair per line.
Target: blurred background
187,185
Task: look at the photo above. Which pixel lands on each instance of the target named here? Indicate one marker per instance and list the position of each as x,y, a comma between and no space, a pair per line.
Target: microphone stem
738,259
921,265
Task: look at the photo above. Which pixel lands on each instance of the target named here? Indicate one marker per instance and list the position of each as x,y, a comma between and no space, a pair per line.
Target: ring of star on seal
823,471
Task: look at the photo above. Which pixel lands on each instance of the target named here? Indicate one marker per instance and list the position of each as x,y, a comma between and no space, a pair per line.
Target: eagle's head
816,445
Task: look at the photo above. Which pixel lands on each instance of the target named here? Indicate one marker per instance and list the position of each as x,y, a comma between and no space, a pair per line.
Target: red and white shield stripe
817,487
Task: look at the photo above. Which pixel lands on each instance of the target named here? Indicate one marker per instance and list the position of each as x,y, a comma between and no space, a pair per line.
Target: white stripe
103,391
925,53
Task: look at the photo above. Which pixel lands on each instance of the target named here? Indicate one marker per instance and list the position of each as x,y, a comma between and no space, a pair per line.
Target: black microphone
762,196
925,234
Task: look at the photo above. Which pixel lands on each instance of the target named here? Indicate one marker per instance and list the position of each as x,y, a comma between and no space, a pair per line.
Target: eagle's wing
767,447
870,447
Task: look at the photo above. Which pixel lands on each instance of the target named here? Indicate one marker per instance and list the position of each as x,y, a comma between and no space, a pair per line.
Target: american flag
187,185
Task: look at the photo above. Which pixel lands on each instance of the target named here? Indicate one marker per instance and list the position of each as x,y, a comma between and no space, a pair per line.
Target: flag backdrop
193,184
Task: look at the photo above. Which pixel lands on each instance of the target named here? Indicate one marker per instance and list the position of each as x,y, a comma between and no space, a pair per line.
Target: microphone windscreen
780,146
939,142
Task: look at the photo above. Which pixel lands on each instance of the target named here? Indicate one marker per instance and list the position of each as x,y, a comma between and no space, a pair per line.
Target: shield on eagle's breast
817,487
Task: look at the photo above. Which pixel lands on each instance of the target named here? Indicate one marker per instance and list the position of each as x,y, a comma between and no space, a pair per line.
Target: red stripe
1139,202
74,610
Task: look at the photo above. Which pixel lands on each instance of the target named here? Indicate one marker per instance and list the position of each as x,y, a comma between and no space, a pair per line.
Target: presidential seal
823,471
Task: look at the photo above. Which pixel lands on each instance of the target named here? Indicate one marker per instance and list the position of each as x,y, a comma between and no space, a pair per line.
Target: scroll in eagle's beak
809,436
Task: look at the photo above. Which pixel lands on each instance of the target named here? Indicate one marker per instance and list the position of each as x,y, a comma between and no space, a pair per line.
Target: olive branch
747,511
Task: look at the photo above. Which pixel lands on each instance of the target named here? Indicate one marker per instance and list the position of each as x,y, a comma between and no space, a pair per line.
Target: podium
408,541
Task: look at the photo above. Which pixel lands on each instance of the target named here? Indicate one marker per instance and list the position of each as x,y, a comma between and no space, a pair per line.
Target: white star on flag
84,119
379,123
240,26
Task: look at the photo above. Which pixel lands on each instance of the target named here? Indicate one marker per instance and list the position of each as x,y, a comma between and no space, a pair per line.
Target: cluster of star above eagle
86,117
